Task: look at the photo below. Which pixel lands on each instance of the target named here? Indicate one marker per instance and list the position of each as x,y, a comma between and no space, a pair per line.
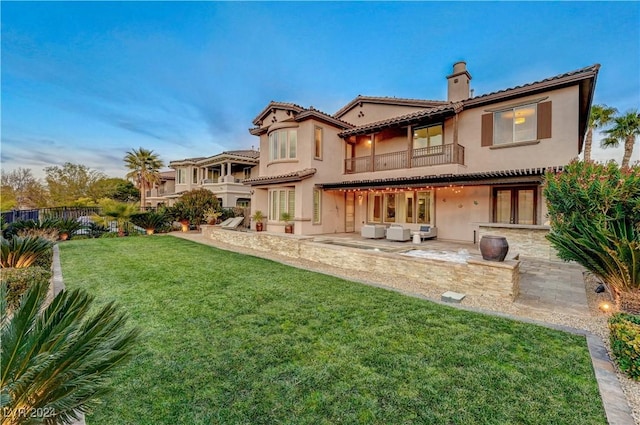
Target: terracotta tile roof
484,177
277,105
567,78
249,153
281,178
168,175
190,160
388,101
401,119
316,113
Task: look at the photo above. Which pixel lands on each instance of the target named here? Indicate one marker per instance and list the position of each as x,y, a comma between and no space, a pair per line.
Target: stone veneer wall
476,277
528,241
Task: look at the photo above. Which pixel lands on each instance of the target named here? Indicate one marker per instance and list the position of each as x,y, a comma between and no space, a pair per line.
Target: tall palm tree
600,116
56,359
625,129
145,170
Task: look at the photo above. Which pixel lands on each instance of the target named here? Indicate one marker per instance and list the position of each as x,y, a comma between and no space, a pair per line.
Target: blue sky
87,81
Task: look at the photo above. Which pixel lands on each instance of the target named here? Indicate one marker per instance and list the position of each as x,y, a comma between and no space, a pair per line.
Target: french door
515,205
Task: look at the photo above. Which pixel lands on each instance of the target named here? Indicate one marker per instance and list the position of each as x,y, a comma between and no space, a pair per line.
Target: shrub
150,220
595,221
109,235
96,230
57,358
23,227
193,205
19,280
69,226
625,343
20,252
45,260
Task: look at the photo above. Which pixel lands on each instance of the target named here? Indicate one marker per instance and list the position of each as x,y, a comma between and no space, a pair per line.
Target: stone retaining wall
476,277
526,241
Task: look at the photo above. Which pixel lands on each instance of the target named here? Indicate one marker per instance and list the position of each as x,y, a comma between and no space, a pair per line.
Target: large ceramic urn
494,248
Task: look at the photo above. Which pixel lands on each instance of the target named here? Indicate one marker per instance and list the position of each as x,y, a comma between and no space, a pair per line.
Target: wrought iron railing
422,157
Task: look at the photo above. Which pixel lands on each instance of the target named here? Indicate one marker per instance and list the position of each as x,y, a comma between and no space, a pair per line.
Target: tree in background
70,182
145,170
625,129
600,116
113,188
21,190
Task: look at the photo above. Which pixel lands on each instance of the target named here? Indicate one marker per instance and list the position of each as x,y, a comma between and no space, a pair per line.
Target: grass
234,339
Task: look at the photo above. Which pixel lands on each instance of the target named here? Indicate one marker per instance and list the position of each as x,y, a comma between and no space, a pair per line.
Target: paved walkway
552,285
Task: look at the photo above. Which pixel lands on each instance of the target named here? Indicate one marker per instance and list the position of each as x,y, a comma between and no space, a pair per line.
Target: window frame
194,175
514,109
514,203
318,142
280,149
181,176
317,206
429,144
278,204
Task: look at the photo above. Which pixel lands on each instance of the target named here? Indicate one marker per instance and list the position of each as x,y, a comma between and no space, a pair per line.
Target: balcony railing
422,157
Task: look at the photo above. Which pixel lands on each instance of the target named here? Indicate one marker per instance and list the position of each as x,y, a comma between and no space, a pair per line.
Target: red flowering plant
594,211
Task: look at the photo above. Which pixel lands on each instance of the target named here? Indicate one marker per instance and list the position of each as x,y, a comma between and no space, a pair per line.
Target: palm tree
145,170
600,116
625,129
56,359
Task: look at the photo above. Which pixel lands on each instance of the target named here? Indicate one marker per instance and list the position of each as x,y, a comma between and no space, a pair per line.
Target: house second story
538,124
226,169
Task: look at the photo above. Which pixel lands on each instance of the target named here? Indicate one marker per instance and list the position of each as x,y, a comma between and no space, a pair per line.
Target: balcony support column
410,146
373,152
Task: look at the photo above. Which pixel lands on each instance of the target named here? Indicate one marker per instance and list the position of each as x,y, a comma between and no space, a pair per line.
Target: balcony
422,157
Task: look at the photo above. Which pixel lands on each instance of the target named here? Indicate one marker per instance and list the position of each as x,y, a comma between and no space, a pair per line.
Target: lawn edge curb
57,284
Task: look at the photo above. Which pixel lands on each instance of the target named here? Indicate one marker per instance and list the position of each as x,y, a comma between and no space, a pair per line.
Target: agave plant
612,252
55,359
45,228
149,221
20,252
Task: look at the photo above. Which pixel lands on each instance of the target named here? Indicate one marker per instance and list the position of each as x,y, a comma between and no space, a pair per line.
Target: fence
44,213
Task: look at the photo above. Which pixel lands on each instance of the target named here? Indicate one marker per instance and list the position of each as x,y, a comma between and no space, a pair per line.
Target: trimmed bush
625,343
19,280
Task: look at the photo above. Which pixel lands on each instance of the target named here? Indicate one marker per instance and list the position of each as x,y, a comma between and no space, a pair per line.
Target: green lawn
234,339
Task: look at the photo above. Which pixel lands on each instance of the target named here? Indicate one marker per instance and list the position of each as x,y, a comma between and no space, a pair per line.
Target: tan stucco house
456,165
223,174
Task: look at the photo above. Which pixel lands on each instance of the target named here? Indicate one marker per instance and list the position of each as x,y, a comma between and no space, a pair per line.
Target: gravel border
593,326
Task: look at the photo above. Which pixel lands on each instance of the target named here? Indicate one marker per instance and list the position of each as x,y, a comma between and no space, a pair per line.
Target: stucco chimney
458,83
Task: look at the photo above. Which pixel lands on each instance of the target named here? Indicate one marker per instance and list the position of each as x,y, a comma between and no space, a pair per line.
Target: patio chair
398,233
426,232
226,222
373,231
234,223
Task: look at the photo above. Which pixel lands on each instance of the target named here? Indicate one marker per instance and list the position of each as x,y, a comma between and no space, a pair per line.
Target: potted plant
287,217
211,216
67,227
149,221
258,217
